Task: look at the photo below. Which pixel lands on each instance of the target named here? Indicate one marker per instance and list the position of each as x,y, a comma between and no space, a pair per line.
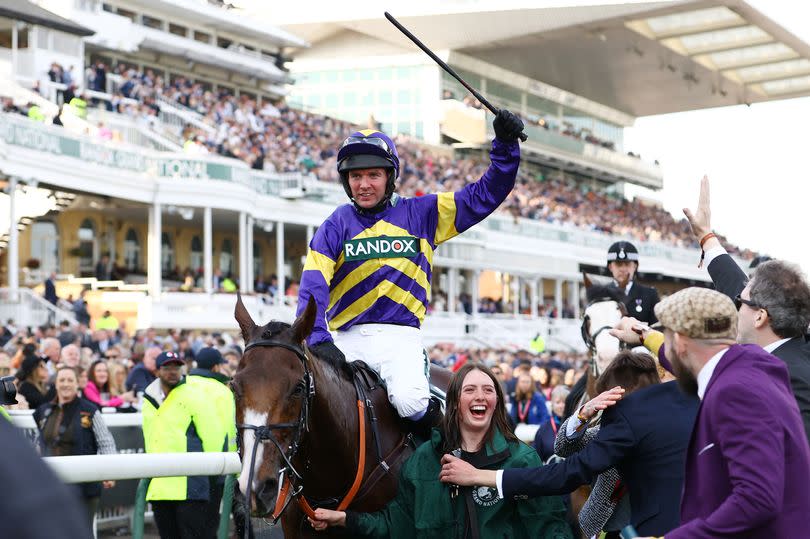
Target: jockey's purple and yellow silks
376,268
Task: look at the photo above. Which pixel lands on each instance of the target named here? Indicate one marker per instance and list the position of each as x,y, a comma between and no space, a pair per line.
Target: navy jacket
645,436
139,378
640,302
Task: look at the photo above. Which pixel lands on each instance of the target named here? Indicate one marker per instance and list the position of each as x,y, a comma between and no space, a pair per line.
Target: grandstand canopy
639,58
23,10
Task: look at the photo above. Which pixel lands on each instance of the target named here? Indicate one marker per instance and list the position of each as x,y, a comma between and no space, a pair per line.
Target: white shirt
713,253
774,345
705,374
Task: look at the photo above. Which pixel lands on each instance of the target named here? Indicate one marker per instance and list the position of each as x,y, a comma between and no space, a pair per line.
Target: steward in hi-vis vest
369,264
179,418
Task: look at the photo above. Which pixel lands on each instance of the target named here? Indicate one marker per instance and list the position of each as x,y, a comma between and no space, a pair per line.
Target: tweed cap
699,313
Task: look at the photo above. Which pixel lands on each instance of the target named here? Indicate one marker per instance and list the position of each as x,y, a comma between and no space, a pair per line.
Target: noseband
263,433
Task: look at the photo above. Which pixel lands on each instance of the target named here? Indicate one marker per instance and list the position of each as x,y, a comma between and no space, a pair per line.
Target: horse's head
273,387
605,309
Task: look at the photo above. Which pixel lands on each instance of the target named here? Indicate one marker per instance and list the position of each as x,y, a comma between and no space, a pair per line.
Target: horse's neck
330,446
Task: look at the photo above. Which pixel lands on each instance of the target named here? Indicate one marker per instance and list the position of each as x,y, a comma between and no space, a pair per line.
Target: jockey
369,264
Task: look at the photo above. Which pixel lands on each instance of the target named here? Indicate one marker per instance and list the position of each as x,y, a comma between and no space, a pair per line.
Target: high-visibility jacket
79,107
4,413
214,388
183,421
36,114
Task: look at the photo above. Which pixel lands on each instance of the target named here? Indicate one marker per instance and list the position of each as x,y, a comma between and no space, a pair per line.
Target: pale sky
757,159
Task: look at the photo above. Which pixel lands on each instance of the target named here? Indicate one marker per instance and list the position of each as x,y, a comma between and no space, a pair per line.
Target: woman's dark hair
629,370
91,376
451,432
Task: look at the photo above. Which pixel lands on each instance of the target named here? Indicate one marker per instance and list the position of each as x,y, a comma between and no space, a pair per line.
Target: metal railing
30,309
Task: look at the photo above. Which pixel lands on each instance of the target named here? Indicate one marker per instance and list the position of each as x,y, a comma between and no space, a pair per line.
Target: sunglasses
739,302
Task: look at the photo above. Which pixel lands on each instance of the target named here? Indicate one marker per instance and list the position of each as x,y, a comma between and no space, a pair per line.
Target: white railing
88,468
134,132
177,118
29,309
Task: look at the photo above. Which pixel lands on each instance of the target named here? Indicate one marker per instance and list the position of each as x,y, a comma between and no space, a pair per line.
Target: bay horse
335,440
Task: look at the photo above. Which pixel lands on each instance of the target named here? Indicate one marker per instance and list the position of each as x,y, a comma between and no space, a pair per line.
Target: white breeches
397,354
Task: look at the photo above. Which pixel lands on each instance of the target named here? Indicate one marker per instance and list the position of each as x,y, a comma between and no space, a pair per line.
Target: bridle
263,433
590,338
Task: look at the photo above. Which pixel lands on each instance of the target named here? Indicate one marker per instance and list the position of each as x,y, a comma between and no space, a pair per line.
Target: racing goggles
374,141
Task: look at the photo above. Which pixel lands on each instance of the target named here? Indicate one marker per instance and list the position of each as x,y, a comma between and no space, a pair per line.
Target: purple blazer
748,462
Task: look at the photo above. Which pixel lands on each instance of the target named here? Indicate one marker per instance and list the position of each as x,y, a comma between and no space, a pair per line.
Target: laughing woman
476,425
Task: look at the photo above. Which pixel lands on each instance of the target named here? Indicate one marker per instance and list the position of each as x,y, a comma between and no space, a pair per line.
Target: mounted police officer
369,264
622,262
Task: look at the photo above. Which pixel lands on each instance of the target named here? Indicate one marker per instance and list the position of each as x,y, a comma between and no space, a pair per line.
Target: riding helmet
368,148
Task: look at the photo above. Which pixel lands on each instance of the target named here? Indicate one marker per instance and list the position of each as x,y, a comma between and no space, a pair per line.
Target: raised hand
701,220
601,402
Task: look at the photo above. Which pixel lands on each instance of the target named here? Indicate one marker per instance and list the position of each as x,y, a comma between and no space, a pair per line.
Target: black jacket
36,505
648,451
640,302
730,279
79,419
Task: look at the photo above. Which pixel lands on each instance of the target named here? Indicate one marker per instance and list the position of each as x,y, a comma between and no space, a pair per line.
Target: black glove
328,351
507,126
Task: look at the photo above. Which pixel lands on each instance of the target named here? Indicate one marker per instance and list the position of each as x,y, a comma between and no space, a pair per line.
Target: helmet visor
374,141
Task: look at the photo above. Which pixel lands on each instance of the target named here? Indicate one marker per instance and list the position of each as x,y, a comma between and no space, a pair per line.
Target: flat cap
699,313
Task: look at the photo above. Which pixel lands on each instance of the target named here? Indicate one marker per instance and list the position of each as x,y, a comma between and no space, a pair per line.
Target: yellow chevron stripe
446,228
367,268
320,262
364,302
367,132
384,228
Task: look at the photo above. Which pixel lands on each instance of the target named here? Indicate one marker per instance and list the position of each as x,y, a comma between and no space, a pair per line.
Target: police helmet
368,148
621,251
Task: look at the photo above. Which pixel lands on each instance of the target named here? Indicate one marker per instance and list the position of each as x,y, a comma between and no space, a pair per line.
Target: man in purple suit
748,462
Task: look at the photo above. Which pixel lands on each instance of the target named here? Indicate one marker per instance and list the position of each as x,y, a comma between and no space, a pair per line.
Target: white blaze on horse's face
604,314
252,417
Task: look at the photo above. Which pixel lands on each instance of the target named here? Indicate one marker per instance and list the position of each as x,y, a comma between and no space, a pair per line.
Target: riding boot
433,417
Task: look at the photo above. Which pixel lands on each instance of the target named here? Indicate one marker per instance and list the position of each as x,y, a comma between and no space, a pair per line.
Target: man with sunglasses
369,264
774,305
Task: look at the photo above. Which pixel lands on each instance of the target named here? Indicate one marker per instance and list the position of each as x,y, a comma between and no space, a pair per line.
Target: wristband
579,415
703,240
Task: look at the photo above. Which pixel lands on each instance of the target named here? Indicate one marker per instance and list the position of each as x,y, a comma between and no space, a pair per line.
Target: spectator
108,322
71,425
547,433
118,377
70,356
98,389
529,405
143,374
50,289
51,351
103,265
424,508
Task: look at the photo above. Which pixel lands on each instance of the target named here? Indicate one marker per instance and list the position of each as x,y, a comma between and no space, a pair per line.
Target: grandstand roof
639,58
205,14
23,10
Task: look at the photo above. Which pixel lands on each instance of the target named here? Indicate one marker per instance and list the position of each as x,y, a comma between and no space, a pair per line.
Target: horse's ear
246,323
586,280
303,325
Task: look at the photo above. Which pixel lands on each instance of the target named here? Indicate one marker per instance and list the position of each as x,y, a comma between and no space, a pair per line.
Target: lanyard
523,414
553,425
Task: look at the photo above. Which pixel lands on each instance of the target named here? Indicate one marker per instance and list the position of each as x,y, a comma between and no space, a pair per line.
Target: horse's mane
601,291
275,329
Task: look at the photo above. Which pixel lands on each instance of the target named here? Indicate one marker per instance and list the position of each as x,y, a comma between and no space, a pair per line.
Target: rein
294,481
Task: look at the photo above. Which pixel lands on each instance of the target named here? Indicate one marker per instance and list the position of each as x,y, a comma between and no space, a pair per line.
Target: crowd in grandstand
278,138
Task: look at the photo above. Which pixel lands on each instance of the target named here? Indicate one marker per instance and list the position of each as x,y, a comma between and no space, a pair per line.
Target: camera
8,391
